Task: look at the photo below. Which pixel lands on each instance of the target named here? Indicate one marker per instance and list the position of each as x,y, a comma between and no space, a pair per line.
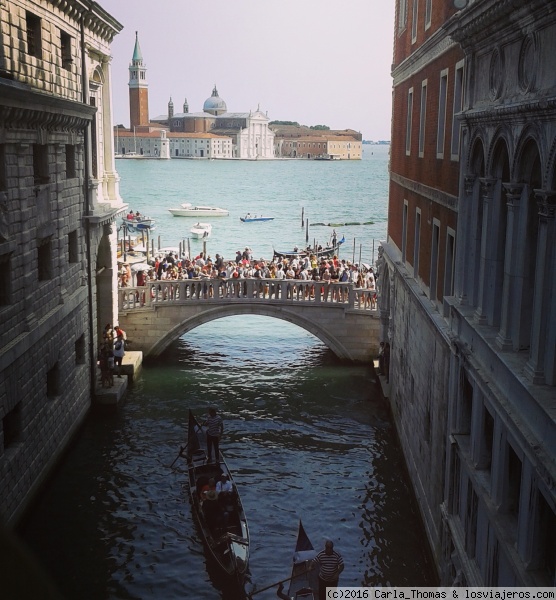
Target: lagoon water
307,437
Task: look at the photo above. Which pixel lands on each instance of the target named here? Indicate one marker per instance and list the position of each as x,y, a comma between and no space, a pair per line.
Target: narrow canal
306,437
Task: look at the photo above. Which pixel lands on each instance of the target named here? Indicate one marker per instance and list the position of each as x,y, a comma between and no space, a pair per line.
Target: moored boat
319,252
188,210
201,230
248,218
227,539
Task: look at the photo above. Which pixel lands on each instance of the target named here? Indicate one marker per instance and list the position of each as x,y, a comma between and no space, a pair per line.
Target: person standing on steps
215,429
119,353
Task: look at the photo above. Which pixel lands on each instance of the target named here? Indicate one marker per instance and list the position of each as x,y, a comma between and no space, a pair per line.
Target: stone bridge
343,317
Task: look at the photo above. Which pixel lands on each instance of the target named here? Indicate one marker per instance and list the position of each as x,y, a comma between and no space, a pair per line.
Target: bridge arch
193,321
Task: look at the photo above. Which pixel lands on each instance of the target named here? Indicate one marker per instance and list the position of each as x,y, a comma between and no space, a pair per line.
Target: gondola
326,252
304,579
227,536
304,583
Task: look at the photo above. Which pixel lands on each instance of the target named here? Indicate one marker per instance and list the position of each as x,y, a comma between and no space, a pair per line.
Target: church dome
215,105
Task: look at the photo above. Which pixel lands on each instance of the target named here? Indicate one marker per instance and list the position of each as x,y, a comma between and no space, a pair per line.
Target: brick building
467,282
59,198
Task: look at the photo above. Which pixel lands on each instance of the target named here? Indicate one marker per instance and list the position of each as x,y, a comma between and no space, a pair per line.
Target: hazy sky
311,61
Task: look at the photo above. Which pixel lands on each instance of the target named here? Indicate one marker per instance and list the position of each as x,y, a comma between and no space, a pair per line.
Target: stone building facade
467,282
59,198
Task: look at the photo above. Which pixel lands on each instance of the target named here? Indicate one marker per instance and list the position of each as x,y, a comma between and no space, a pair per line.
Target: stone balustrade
287,291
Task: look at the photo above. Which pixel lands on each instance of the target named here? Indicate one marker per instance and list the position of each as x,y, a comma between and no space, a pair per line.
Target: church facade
210,133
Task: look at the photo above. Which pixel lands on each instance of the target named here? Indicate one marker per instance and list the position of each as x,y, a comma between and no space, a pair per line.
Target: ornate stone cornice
506,113
438,196
434,47
21,107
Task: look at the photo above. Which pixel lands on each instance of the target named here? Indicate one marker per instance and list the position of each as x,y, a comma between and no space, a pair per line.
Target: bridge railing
162,292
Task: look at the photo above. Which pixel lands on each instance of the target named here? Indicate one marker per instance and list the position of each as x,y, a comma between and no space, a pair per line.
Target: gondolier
330,564
215,429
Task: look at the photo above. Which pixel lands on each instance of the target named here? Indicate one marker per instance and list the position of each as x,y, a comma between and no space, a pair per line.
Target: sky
317,62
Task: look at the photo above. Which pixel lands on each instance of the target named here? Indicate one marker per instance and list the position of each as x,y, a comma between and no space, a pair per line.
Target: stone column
512,262
464,275
544,286
487,191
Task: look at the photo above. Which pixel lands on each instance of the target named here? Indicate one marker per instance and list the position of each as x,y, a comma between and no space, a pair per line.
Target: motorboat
248,218
188,210
201,230
137,223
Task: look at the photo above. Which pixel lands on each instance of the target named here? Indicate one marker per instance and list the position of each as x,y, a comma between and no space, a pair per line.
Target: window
409,122
416,246
44,248
3,169
514,482
73,247
65,50
53,382
402,14
414,21
40,164
70,161
5,280
11,425
428,13
80,350
434,259
458,107
441,131
422,118
449,264
34,41
404,230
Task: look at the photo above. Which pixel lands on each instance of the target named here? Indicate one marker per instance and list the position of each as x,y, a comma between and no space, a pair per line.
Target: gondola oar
182,448
251,594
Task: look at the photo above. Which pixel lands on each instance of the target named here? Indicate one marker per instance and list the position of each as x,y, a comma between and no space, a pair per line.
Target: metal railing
287,291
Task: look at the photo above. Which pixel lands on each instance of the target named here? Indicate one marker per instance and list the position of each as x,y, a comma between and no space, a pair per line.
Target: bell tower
138,89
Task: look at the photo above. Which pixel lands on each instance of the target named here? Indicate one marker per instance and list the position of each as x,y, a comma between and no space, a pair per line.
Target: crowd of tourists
244,266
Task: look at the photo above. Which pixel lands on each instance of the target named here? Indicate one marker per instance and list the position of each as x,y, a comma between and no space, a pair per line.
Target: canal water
306,436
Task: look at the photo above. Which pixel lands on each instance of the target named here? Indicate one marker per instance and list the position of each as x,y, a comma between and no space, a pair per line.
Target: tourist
119,353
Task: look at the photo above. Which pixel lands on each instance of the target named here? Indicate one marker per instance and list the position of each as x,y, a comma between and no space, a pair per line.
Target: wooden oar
182,448
251,594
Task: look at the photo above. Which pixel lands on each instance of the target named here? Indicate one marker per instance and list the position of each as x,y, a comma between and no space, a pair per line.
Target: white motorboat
201,230
188,210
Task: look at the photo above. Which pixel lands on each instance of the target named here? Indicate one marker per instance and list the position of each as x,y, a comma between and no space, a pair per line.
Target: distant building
295,141
59,207
211,133
467,283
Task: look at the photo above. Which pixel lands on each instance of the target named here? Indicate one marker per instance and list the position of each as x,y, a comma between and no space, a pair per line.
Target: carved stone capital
469,184
546,201
513,193
487,187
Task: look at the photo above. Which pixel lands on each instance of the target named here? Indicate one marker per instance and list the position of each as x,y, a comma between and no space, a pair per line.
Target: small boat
138,224
304,582
201,230
228,545
248,218
188,210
